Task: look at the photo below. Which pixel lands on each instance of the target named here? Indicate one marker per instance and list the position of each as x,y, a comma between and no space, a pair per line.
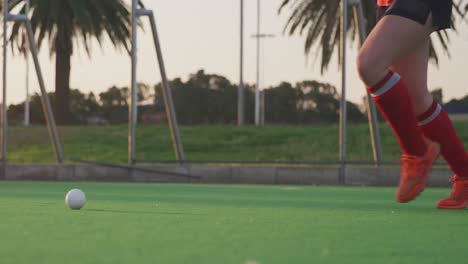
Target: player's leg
413,70
436,125
393,38
433,119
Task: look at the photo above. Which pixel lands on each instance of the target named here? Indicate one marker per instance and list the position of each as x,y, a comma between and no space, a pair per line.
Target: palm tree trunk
62,85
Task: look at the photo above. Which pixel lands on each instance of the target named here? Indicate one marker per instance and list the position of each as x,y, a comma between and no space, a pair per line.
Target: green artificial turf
149,223
270,143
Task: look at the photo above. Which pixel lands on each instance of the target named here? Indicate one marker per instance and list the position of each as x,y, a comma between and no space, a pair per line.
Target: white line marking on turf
291,188
252,262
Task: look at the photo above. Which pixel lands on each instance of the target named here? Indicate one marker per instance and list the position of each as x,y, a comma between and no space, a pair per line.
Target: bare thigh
392,39
413,69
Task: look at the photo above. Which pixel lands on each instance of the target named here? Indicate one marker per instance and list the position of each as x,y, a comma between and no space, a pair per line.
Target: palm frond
65,24
319,21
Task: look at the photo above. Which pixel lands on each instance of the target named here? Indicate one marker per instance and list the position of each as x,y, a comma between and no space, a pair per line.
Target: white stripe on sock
432,117
387,86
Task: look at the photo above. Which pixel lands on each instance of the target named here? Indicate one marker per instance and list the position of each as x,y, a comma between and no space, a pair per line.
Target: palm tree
67,23
319,20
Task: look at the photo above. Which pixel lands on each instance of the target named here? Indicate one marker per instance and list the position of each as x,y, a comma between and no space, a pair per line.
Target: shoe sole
459,207
419,188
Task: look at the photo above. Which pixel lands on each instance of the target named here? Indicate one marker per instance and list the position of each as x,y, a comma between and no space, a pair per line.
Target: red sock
438,127
392,98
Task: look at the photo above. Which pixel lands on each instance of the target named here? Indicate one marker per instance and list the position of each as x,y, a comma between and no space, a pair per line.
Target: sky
204,34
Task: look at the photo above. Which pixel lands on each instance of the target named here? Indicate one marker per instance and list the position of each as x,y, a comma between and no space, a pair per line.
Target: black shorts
419,11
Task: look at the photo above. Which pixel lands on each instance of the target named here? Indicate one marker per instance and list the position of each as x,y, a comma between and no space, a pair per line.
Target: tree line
69,23
201,99
209,99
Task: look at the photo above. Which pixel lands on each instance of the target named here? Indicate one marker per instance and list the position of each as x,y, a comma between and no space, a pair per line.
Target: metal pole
262,107
241,97
371,110
169,103
26,103
258,102
132,112
45,98
343,114
262,80
4,103
257,88
263,92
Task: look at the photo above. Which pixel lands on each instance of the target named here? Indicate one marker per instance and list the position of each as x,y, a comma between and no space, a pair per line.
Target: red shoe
415,172
458,199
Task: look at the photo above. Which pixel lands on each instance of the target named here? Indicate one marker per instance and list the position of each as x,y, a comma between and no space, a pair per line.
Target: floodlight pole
262,107
27,101
26,54
46,106
371,110
343,107
258,107
23,18
259,36
133,108
240,94
373,124
4,88
257,88
167,94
